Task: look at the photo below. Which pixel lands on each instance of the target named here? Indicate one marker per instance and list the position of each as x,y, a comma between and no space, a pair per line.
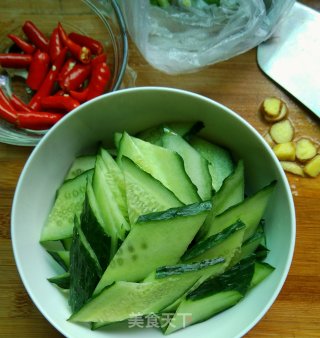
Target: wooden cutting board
240,85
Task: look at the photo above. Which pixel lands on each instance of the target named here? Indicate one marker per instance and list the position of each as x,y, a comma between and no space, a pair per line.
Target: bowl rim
292,216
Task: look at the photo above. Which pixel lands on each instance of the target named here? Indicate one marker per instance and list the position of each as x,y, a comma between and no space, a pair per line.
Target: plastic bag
190,34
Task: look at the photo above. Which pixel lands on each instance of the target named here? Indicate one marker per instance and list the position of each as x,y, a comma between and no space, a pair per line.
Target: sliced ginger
285,151
282,132
292,167
274,109
312,168
305,149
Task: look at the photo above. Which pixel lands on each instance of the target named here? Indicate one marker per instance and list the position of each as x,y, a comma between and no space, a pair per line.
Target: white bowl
134,110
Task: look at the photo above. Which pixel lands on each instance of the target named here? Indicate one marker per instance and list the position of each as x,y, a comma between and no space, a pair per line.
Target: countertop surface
239,84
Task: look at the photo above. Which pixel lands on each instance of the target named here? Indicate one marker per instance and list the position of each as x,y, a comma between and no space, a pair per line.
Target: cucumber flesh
123,300
163,164
61,257
191,312
114,221
261,271
221,163
68,204
231,193
195,165
62,281
137,257
184,129
115,180
250,212
144,193
80,165
222,244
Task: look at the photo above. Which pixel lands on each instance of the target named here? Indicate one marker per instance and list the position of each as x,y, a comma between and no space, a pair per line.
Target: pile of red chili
64,70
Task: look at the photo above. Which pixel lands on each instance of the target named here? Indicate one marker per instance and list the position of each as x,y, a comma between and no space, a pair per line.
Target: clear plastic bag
190,34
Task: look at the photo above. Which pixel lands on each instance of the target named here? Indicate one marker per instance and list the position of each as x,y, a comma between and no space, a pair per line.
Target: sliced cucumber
184,129
61,257
196,166
231,193
144,193
62,281
221,163
171,233
114,221
213,296
261,271
250,245
191,312
115,180
85,269
221,244
171,270
250,212
68,204
93,230
163,164
124,300
80,165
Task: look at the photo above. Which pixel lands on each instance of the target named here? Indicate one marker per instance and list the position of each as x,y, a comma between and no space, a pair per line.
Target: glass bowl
101,20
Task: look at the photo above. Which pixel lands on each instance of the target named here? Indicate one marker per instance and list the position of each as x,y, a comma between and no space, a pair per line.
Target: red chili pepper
35,36
81,53
80,96
55,45
47,85
19,105
37,120
22,44
64,102
38,69
68,65
59,93
98,59
98,81
75,78
15,60
84,40
7,111
4,101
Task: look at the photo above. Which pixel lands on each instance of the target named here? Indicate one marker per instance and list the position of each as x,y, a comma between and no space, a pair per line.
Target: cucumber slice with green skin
115,179
91,226
261,271
85,269
191,312
66,243
62,281
213,296
220,161
238,277
123,300
250,245
68,204
80,165
220,244
61,257
163,164
171,270
114,222
250,212
144,193
231,193
184,129
196,166
137,257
